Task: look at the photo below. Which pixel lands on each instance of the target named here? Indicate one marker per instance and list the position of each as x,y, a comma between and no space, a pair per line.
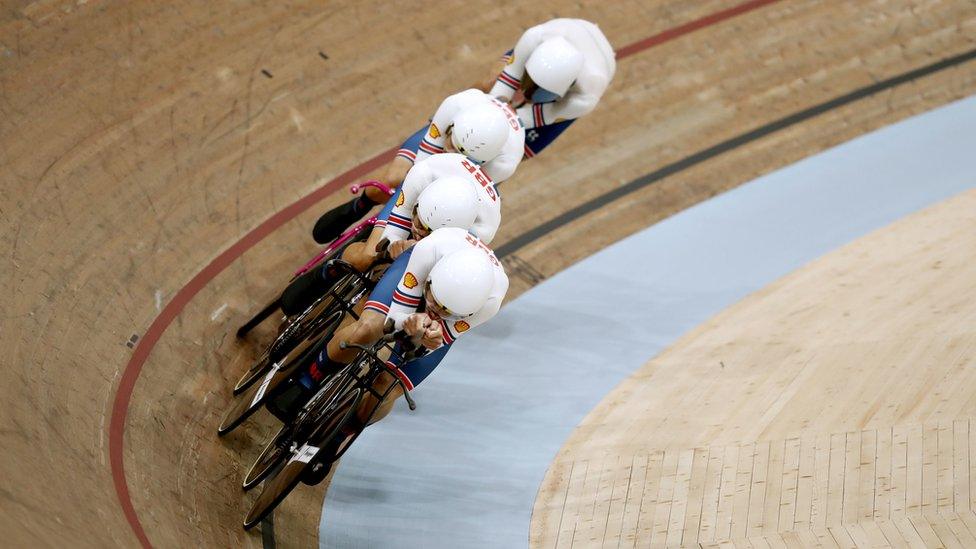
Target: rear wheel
273,454
258,318
259,368
251,400
303,458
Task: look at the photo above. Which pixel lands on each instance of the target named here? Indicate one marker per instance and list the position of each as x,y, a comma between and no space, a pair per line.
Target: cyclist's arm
510,78
503,166
401,217
435,138
572,106
410,289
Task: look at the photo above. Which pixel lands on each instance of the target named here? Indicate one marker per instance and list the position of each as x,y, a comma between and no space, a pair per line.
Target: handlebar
371,183
371,351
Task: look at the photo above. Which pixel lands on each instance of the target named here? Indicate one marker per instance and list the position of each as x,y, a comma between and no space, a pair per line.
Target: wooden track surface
140,139
833,407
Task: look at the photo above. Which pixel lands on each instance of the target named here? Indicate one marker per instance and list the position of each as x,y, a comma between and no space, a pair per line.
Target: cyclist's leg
304,290
369,328
334,221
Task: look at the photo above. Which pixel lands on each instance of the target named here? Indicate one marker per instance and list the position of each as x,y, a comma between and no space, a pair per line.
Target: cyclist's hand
400,246
433,336
416,325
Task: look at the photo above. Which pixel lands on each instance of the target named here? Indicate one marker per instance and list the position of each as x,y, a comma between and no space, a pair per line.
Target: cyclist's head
446,202
480,132
460,283
554,65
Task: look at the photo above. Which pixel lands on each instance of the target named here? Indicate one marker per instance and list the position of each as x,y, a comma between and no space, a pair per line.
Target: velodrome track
141,141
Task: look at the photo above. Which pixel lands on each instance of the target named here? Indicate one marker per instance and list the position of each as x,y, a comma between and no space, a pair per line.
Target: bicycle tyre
290,475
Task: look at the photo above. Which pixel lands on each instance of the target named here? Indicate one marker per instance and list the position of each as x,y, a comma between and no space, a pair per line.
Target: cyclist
443,287
560,69
446,190
472,123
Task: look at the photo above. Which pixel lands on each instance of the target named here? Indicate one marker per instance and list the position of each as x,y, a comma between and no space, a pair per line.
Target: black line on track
699,157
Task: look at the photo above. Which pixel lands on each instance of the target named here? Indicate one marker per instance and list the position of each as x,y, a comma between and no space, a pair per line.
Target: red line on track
123,393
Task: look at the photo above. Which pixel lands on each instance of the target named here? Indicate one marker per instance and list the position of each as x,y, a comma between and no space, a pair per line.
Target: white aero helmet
449,201
480,131
462,281
554,65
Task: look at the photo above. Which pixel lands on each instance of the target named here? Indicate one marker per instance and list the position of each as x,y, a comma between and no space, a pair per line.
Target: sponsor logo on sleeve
511,59
409,280
461,326
434,132
399,201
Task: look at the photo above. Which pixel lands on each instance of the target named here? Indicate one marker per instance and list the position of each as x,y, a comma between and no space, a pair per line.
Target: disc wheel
259,368
251,400
273,454
279,486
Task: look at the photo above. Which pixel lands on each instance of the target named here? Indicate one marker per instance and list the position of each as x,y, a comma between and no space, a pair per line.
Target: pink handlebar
371,183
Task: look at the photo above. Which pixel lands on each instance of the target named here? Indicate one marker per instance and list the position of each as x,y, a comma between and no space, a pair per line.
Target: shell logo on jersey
461,326
511,59
399,201
409,280
434,132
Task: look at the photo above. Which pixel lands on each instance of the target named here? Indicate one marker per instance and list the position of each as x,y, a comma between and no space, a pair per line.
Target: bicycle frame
345,237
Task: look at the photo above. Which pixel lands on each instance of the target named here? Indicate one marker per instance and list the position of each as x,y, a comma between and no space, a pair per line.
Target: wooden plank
809,539
662,514
852,463
835,481
960,466
774,489
892,535
972,467
857,535
925,531
914,466
867,476
789,485
873,533
711,494
550,516
942,529
841,536
726,500
899,472
567,522
805,484
648,506
618,501
593,485
595,518
635,497
882,475
774,541
696,496
908,532
679,500
793,539
969,520
946,496
757,490
818,519
743,483
930,469
960,530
